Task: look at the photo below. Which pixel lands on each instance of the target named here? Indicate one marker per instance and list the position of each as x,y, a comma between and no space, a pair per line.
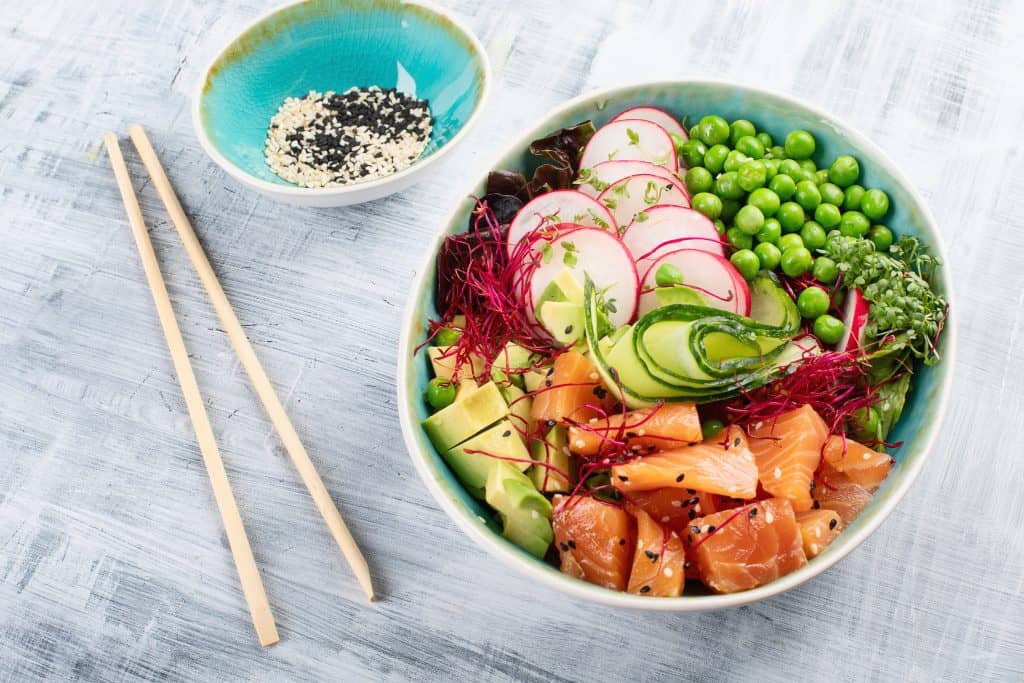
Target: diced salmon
788,450
595,540
658,562
740,549
722,465
833,490
667,426
573,384
674,508
860,464
818,528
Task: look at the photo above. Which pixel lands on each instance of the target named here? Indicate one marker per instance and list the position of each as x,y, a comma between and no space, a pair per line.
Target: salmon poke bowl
685,346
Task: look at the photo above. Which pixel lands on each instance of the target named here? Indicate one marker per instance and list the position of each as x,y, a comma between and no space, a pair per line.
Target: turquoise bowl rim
885,501
369,186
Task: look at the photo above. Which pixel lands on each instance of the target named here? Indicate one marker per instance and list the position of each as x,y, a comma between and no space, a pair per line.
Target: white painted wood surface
113,565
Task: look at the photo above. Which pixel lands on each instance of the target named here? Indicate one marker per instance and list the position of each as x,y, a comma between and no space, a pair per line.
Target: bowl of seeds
335,102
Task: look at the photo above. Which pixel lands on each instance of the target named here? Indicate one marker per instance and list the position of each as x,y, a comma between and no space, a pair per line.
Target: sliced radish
560,206
631,195
855,318
670,228
631,140
709,274
654,115
593,252
608,172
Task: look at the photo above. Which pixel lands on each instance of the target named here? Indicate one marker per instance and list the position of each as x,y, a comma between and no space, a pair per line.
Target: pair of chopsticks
252,584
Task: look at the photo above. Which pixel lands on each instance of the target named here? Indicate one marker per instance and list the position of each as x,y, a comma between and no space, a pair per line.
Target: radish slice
593,252
632,141
855,318
553,208
608,172
709,274
654,115
629,196
670,228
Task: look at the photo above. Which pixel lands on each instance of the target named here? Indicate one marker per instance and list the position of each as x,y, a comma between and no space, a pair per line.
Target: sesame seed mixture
329,139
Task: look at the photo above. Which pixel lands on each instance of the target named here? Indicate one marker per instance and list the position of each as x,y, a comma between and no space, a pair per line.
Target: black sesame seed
622,541
652,448
736,443
547,383
631,435
652,556
645,589
600,392
692,501
623,477
753,512
568,329
681,477
564,547
691,491
572,544
686,565
507,433
692,513
695,529
817,505
832,523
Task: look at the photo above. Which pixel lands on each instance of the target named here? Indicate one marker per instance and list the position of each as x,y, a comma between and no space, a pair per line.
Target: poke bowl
640,396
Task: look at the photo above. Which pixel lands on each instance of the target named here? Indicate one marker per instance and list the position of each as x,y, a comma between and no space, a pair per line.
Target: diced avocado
465,388
554,450
770,304
442,359
525,513
519,406
679,294
563,288
459,421
472,469
563,319
512,357
459,322
534,379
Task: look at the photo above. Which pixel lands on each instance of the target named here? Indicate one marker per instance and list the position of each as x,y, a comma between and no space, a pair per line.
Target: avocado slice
534,379
519,407
563,288
512,357
563,320
525,513
472,469
452,425
442,360
554,450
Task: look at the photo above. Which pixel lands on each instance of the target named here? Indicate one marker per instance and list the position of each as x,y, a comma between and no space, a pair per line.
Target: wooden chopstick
248,573
246,354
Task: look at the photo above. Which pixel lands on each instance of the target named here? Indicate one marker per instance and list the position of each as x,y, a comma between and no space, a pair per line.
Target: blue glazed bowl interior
777,116
334,45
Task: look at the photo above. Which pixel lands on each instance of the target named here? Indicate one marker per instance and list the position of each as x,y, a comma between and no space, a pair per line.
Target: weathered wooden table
113,563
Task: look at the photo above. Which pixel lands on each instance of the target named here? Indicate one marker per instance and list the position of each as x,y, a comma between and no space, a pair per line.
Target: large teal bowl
775,114
334,45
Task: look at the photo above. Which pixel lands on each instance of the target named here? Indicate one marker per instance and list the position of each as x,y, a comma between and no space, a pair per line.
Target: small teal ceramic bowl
777,115
334,45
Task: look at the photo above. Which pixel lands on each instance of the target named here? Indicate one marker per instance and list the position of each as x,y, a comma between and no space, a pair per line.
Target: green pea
777,152
820,177
747,263
771,167
808,165
807,195
782,185
740,128
852,197
713,130
769,255
730,207
875,204
825,270
699,179
765,140
440,393
749,219
719,226
447,336
708,204
733,161
828,215
739,239
714,158
803,175
796,262
813,302
710,428
791,216
844,171
668,275
693,152
764,199
790,241
854,224
790,167
813,235
882,237
677,141
750,146
770,232
831,193
727,186
751,175
799,145
865,422
694,132
828,329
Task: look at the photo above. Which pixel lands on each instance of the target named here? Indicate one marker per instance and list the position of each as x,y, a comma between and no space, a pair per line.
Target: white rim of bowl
580,589
297,191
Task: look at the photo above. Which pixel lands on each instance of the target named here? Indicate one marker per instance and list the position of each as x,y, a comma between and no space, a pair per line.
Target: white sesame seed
778,473
667,571
579,443
769,517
